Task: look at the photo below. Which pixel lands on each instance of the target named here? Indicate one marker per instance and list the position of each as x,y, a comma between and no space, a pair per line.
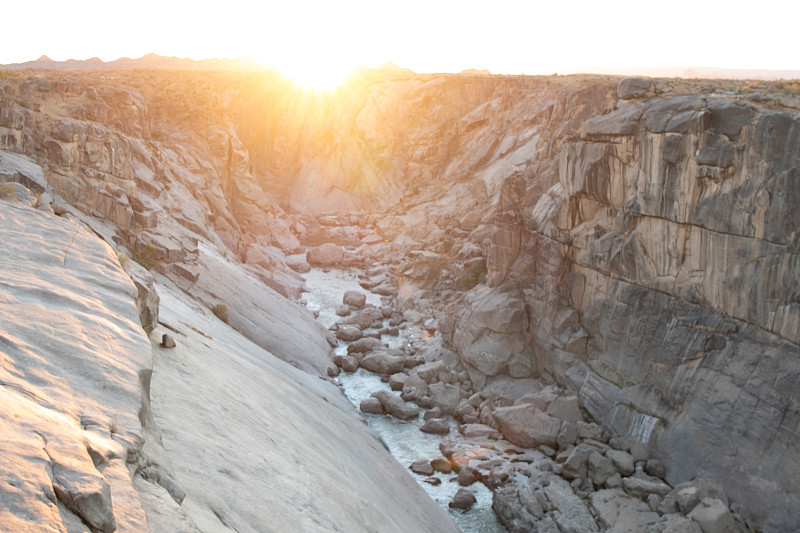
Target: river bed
404,439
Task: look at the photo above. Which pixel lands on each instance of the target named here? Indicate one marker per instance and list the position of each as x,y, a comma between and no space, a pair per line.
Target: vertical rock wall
674,229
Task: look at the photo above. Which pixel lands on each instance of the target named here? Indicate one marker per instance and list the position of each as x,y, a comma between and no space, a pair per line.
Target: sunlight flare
315,74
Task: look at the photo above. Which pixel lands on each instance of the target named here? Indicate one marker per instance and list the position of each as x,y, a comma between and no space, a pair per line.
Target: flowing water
404,439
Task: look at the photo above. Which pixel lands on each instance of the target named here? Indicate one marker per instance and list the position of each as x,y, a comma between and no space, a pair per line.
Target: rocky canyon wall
638,242
670,245
635,241
108,429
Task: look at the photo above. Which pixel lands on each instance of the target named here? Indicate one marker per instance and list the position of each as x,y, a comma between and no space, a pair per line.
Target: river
404,439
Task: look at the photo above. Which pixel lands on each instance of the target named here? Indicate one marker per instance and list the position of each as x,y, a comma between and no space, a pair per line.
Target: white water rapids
404,439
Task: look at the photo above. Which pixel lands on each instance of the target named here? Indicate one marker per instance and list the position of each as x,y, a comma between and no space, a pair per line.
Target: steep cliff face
142,149
673,228
658,275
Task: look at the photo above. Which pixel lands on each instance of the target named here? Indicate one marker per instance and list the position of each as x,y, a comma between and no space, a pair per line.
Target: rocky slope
631,242
108,430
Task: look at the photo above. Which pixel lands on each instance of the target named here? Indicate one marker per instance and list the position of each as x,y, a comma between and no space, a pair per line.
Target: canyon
632,243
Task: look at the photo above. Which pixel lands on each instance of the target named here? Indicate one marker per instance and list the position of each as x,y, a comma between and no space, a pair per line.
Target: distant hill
150,61
694,72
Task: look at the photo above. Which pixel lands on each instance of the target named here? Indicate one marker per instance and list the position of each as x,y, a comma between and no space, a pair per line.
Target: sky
322,40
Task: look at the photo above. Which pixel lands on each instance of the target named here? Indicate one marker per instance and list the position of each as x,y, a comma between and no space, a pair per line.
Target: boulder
85,494
631,88
167,341
618,512
441,464
433,412
437,426
642,488
673,523
463,499
364,318
364,345
684,497
372,405
348,333
589,430
543,502
397,380
713,516
445,396
491,337
349,364
526,426
395,406
430,371
422,467
325,255
599,468
575,466
623,461
468,475
381,362
298,264
355,299
415,387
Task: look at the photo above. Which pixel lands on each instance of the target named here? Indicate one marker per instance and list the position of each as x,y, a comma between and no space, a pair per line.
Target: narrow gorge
603,273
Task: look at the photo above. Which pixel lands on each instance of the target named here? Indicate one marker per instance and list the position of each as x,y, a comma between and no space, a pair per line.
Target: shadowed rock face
639,246
682,268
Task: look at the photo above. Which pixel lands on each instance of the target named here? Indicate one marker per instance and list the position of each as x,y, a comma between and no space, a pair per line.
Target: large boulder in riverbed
382,362
325,255
395,406
445,396
463,499
364,345
364,318
430,371
348,333
354,298
527,426
372,405
438,426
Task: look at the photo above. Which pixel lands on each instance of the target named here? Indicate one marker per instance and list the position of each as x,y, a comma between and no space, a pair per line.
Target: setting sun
312,68
320,77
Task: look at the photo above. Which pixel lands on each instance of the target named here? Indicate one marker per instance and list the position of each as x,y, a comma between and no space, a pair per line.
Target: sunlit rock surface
104,430
73,354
